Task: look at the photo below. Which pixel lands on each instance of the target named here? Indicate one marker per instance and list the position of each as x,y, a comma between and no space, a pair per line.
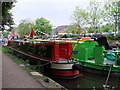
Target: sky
58,12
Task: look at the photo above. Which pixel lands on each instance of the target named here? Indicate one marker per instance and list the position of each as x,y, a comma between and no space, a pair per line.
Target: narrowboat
97,57
54,56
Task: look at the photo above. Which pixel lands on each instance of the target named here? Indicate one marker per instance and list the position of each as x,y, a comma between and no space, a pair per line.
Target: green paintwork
84,50
99,58
87,50
42,51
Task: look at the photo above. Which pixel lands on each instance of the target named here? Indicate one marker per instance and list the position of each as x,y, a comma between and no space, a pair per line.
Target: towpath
15,77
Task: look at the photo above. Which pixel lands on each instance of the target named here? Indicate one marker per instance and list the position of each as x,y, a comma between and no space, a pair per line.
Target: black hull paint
83,69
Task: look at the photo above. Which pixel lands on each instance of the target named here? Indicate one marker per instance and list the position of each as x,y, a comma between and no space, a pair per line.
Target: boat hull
64,70
98,69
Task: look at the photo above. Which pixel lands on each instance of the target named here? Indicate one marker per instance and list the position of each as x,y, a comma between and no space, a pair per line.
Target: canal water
90,80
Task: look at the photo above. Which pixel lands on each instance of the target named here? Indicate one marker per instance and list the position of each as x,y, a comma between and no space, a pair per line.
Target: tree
95,14
7,19
25,26
79,19
43,25
112,14
106,28
90,30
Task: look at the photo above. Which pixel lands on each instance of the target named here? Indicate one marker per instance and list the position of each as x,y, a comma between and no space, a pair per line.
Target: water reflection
90,81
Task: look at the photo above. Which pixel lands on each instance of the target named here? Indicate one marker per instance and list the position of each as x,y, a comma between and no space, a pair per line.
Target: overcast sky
57,11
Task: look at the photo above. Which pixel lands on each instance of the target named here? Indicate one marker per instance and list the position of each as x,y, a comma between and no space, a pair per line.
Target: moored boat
53,54
96,58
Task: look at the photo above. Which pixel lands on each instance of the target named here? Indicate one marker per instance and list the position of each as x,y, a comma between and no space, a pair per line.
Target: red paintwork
85,38
32,33
65,50
55,56
64,72
80,75
60,50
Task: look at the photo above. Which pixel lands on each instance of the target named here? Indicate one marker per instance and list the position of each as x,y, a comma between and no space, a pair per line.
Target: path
13,76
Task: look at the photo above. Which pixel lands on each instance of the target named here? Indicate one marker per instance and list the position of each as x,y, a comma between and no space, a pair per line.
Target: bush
112,37
70,36
117,37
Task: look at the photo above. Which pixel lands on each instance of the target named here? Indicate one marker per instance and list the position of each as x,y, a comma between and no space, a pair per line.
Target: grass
18,60
6,50
44,78
0,47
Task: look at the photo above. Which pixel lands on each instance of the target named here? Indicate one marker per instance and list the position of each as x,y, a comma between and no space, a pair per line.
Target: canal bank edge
47,82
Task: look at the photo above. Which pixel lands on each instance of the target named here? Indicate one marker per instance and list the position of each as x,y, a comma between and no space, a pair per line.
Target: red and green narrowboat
95,56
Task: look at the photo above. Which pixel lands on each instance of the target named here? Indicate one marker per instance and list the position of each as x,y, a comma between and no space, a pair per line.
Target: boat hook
107,86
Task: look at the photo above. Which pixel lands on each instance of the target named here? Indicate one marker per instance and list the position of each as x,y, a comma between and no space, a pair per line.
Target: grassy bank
18,60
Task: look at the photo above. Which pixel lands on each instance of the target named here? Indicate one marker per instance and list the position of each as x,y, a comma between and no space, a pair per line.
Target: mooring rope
41,65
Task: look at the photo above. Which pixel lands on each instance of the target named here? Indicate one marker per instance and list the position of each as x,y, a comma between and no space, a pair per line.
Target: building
60,29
